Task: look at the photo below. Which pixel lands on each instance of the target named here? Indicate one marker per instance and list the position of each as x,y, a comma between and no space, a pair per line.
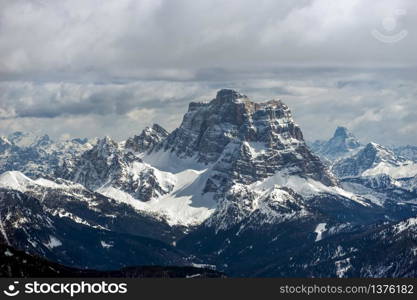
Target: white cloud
174,39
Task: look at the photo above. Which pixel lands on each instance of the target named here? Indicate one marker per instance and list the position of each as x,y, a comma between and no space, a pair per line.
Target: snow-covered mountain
234,186
233,143
147,140
374,159
38,156
377,173
408,152
108,166
67,223
342,144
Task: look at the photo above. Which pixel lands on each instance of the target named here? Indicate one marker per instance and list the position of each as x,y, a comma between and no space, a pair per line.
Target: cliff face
246,140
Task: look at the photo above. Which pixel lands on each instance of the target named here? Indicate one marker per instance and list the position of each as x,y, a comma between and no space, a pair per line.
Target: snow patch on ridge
320,229
185,205
14,180
306,187
256,148
53,242
404,225
106,245
408,169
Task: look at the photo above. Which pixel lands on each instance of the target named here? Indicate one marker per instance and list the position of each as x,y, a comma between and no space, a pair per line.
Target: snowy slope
404,170
184,205
374,159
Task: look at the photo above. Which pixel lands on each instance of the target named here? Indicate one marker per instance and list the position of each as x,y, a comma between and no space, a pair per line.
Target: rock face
343,143
246,141
147,140
379,174
108,165
368,158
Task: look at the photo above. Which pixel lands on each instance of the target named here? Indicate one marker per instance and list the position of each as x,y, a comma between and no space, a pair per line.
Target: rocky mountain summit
342,144
147,140
371,157
245,140
109,166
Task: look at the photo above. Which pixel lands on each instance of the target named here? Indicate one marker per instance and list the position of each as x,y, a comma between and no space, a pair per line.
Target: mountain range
234,188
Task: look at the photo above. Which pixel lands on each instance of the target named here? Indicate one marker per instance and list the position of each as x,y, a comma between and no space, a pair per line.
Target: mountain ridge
234,184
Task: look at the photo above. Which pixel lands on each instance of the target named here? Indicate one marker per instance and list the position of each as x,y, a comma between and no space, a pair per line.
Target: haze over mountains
234,187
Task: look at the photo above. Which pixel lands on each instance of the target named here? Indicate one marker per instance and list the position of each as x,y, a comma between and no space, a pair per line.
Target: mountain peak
22,139
342,143
342,132
374,145
228,95
43,140
208,127
105,146
238,134
105,141
17,134
159,128
148,139
380,153
369,157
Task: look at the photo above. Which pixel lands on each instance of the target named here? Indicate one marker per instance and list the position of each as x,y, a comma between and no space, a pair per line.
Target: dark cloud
184,40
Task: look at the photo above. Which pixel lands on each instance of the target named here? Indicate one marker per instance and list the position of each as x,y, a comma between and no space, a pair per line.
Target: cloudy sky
85,68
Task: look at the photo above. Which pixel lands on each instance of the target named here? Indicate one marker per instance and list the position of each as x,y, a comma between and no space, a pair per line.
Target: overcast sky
85,68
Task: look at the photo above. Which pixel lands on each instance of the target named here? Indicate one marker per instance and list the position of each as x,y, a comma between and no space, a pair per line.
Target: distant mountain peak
380,154
148,139
342,132
373,145
342,143
373,159
23,139
105,143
